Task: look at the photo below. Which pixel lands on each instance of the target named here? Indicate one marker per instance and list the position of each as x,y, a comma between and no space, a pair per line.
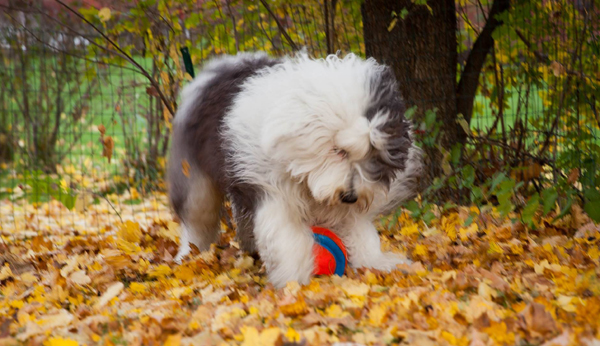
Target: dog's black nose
348,197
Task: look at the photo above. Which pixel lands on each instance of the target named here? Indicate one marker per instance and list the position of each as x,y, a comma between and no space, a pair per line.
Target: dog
292,142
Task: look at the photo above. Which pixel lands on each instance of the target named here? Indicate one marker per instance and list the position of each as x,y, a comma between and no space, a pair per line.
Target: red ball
329,252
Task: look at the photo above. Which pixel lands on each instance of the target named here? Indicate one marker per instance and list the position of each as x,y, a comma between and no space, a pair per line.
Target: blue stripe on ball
334,249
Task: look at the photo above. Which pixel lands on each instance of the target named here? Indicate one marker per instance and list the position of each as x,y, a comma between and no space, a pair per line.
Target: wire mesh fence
83,130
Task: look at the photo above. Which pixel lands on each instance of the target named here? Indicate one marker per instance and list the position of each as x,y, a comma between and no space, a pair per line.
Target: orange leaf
185,167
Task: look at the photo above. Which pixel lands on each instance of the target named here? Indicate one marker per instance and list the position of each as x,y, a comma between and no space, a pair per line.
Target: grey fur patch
383,165
198,139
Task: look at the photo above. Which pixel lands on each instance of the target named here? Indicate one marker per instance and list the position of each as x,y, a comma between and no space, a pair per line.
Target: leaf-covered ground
86,277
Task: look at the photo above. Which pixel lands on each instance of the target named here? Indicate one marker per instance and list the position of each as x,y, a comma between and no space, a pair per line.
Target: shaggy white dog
292,143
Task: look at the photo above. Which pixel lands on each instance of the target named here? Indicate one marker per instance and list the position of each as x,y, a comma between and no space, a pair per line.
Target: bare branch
279,25
128,57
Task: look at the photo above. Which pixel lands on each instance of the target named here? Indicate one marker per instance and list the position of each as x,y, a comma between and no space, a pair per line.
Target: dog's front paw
386,261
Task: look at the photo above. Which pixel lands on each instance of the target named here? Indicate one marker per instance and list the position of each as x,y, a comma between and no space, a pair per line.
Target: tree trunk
422,50
6,146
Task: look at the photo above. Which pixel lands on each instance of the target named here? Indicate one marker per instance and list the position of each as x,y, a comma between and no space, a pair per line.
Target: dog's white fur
298,132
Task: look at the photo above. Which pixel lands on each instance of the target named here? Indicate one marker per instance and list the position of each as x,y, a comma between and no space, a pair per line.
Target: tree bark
469,81
422,50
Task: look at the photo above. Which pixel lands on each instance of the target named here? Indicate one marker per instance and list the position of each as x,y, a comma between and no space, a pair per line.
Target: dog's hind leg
200,215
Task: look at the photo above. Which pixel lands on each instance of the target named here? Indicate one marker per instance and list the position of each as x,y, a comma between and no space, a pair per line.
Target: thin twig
100,196
279,25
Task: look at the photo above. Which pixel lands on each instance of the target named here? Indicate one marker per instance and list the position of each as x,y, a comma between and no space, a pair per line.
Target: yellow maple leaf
136,287
6,273
449,224
495,248
60,342
184,272
377,315
173,340
267,337
130,231
594,253
296,308
160,271
355,288
335,311
171,232
409,230
420,250
17,304
128,247
292,335
499,333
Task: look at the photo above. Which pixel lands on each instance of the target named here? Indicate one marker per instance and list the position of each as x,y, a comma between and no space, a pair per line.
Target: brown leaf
108,145
102,129
497,281
573,176
557,68
536,319
482,322
40,243
578,217
529,171
152,91
185,168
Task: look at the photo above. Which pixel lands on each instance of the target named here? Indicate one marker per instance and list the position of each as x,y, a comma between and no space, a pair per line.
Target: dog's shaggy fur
292,143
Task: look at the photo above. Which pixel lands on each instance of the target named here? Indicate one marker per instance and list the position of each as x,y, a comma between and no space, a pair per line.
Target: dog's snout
348,197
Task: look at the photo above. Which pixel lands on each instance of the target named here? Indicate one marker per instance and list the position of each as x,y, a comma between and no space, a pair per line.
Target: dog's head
346,137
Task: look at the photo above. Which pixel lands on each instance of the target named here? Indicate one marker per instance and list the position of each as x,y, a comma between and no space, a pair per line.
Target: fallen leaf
111,292
185,168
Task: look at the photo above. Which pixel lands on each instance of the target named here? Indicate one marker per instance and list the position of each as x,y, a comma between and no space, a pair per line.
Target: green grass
113,86
483,117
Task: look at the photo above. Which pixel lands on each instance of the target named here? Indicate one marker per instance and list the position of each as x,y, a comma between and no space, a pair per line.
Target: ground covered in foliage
89,276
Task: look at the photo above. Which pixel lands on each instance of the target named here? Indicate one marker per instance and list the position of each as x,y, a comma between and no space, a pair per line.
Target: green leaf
455,153
592,208
549,198
470,219
430,118
414,208
592,195
476,194
428,217
410,112
468,175
403,13
500,177
530,209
